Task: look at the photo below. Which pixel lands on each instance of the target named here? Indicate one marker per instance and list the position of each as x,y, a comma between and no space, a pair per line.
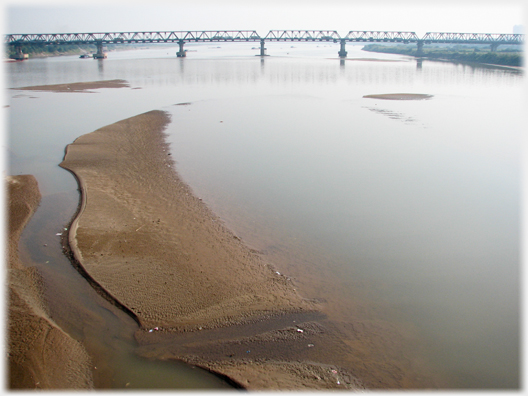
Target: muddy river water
404,213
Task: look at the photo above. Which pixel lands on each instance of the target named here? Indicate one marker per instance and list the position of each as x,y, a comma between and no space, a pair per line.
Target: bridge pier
342,52
181,53
262,48
99,54
494,47
19,55
419,50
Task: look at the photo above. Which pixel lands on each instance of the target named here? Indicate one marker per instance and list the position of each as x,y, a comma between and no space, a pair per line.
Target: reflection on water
392,114
402,212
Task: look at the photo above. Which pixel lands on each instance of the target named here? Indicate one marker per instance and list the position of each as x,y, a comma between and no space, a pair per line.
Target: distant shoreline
81,49
504,59
496,59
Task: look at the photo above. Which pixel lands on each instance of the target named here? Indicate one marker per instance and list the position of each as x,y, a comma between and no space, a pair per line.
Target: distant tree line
40,50
43,50
506,56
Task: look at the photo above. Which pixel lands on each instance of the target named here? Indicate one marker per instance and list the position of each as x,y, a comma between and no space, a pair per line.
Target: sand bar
399,96
77,87
198,292
154,246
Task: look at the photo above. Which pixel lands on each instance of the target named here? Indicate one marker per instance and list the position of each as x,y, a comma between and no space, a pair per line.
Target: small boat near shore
85,56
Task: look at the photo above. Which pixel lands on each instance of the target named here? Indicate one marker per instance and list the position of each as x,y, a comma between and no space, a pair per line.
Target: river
402,213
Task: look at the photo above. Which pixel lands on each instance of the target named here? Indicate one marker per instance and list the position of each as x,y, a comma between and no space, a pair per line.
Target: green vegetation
41,50
461,53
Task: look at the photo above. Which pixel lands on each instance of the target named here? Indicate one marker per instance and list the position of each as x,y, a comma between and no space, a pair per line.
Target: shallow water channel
401,213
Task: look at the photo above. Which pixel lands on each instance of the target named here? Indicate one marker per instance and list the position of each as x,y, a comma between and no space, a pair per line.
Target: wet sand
40,354
197,291
399,96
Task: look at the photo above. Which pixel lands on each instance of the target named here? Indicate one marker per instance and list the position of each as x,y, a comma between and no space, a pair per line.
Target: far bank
456,53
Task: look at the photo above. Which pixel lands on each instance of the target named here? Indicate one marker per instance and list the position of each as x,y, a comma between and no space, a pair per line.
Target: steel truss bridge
182,37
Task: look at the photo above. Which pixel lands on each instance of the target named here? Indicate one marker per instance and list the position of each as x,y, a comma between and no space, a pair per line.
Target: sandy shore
40,355
199,293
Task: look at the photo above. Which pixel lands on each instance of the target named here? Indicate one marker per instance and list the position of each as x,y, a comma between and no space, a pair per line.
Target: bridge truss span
473,38
182,37
382,36
221,35
133,37
302,35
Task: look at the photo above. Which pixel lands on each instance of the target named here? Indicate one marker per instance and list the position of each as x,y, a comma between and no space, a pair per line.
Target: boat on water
83,56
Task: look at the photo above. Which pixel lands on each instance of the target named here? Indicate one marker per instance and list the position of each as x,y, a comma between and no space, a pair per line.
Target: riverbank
40,354
49,51
198,293
472,55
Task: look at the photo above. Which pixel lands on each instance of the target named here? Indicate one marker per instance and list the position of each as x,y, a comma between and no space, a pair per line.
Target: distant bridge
182,37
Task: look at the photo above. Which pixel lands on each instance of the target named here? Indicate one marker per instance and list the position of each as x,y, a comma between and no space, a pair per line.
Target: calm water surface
401,212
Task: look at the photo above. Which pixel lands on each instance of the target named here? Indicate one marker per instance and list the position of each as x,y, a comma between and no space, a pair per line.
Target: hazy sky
478,16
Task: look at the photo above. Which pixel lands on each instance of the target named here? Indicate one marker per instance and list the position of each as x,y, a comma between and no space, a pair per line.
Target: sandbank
399,96
40,354
199,294
77,87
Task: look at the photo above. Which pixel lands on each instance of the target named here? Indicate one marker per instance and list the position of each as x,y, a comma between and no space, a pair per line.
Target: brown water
402,214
